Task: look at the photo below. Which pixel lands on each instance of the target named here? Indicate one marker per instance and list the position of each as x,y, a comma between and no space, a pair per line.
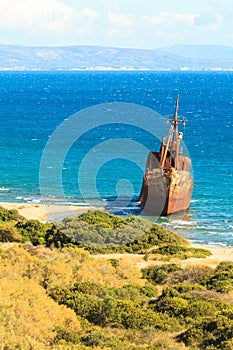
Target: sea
82,138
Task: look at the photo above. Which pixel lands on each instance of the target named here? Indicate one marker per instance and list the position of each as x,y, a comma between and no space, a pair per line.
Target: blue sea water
34,104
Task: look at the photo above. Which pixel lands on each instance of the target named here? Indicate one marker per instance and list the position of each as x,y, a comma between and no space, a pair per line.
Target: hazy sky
123,23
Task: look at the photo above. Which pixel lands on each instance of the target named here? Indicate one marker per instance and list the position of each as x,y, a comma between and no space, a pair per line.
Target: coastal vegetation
58,292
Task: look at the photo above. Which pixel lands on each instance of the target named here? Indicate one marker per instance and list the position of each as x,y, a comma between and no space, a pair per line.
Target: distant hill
201,51
179,57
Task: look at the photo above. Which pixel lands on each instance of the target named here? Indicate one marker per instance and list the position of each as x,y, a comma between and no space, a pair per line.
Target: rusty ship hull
167,182
166,191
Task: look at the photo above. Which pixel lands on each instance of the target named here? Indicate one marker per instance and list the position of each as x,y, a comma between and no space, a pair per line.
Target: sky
145,24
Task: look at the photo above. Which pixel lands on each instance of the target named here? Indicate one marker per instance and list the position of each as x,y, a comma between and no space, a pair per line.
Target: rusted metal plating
167,182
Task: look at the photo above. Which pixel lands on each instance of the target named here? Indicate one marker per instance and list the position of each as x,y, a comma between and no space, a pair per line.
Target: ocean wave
183,223
217,244
4,189
227,234
76,204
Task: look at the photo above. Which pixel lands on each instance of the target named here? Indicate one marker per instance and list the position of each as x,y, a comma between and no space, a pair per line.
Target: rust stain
167,182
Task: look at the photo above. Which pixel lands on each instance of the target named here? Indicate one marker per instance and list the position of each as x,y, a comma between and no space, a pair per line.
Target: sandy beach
218,254
50,212
46,212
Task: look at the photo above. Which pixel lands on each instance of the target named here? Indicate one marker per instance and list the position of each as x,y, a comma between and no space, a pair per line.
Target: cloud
155,20
28,14
221,6
89,13
170,18
224,9
121,24
126,23
44,15
121,20
208,19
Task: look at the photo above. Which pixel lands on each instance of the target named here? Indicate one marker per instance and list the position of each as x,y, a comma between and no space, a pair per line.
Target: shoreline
50,212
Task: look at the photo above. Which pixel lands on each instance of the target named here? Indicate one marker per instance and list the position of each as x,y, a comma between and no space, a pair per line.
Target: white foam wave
4,189
183,223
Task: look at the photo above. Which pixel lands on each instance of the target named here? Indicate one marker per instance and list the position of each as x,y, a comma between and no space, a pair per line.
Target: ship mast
175,123
173,142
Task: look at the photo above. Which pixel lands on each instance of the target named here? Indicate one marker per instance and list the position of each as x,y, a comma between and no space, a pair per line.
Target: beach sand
46,212
218,255
51,212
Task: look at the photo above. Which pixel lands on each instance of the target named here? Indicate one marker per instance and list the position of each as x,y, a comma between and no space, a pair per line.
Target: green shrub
95,338
177,251
32,231
104,339
198,309
172,306
159,274
104,219
210,333
114,262
187,288
222,278
199,252
185,303
9,233
90,288
55,238
67,335
133,292
9,215
102,232
171,250
193,274
125,307
156,236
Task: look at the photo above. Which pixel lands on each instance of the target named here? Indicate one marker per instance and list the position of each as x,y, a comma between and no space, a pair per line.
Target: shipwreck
167,182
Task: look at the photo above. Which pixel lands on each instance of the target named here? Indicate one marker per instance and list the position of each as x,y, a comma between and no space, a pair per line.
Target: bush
103,219
8,215
211,333
159,274
199,252
198,309
28,313
67,335
32,231
193,274
55,238
222,278
172,306
172,250
90,288
185,303
181,252
95,338
133,292
156,236
125,307
9,233
103,232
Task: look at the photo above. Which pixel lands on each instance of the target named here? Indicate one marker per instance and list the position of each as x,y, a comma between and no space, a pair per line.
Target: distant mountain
179,57
201,51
